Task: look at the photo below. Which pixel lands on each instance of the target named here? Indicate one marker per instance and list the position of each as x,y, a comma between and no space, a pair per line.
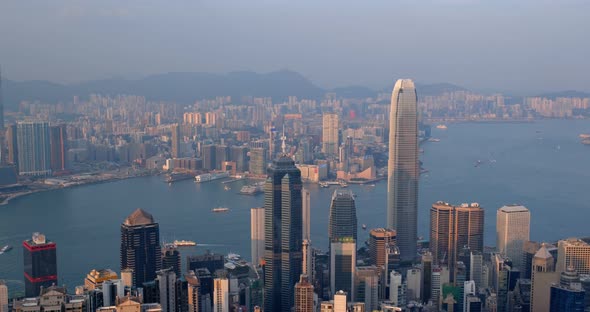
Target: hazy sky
520,45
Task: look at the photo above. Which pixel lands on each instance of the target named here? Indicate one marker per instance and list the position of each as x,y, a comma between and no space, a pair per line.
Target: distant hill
567,93
437,88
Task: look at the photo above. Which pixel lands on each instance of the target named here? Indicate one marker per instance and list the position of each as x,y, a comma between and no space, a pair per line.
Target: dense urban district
280,146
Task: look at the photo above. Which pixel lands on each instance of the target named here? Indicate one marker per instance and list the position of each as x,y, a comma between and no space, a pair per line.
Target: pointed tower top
284,145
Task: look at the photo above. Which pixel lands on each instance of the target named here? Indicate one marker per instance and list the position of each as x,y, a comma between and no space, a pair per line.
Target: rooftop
513,208
139,217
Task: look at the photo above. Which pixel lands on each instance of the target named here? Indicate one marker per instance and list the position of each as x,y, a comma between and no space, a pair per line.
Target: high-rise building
34,148
208,260
403,169
282,233
239,155
330,135
221,156
95,278
194,292
258,161
476,268
304,295
221,295
343,222
3,296
413,284
140,246
573,252
208,155
343,265
175,146
257,234
397,291
568,295
40,263
59,151
1,104
171,258
542,276
452,228
367,286
512,230
529,249
426,263
379,241
167,287
12,145
306,206
340,301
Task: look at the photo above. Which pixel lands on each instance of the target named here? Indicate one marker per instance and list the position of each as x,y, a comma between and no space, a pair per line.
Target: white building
512,230
469,289
414,284
257,234
476,267
397,289
573,252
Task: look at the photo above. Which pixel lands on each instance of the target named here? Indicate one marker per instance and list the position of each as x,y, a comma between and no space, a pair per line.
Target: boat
364,226
207,177
443,127
227,188
324,185
584,136
220,209
478,163
433,140
343,184
176,176
184,243
5,249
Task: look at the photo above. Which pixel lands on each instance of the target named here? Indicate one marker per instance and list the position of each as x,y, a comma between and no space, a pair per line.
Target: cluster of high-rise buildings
392,271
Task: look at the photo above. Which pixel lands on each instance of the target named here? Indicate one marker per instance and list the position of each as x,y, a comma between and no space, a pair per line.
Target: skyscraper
140,246
3,297
403,169
513,229
573,252
330,138
343,222
306,214
568,295
379,241
257,234
257,163
304,295
426,276
167,288
171,258
1,104
59,151
40,263
34,148
452,228
194,292
12,144
343,265
175,148
221,295
542,276
282,233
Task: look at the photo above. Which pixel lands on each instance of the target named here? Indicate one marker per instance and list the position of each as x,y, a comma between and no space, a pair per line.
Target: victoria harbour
540,164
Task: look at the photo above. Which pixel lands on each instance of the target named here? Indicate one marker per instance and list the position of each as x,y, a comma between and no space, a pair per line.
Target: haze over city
523,48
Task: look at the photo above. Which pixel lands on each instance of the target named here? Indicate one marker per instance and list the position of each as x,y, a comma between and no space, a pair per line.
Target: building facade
40,264
343,221
512,230
34,148
403,168
330,134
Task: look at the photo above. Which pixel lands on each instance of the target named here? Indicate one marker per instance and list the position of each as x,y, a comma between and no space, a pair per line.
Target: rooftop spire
284,145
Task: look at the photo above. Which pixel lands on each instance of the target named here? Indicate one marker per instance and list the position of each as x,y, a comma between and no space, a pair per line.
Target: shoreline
10,197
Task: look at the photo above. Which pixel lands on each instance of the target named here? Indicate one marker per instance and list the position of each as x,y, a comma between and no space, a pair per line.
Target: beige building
95,278
3,297
304,295
542,276
330,138
512,230
573,252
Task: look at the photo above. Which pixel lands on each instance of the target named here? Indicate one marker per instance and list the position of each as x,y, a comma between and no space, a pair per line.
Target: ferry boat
433,140
183,243
584,136
364,226
443,127
207,177
220,209
176,176
5,249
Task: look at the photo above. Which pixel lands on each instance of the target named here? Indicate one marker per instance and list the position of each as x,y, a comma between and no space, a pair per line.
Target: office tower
306,266
175,146
95,278
367,286
426,264
459,283
397,291
194,292
208,155
542,276
343,222
167,287
208,260
40,264
529,249
3,295
340,301
306,207
258,161
435,285
568,295
58,141
330,138
476,268
34,149
221,156
512,228
12,145
140,246
171,258
342,265
505,277
452,228
573,252
413,284
379,240
257,234
282,233
239,155
304,295
403,169
206,287
111,289
221,295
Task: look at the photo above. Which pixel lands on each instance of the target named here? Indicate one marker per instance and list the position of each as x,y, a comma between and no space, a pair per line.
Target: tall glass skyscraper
140,247
40,263
403,169
283,234
34,148
343,222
